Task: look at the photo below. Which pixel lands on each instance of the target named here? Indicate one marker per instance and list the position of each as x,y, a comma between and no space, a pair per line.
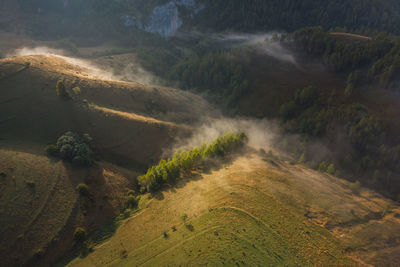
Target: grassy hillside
40,207
130,122
256,210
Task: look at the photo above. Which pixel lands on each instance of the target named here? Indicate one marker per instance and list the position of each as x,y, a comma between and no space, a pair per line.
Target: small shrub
331,169
87,138
39,253
30,183
130,192
184,217
189,226
124,254
313,165
131,202
270,154
165,234
355,187
52,150
82,189
79,234
301,158
87,247
27,64
77,91
323,166
61,90
67,152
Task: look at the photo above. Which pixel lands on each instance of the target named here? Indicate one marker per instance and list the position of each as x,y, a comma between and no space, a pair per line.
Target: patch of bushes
77,91
124,254
189,226
79,234
184,217
168,171
52,150
30,183
331,169
39,253
165,234
86,248
73,148
61,90
82,189
132,201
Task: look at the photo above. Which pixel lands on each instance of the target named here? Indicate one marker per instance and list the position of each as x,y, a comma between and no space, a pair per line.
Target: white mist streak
261,133
131,72
263,42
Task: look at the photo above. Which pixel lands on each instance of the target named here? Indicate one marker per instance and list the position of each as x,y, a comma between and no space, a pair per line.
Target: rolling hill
256,210
253,208
131,125
129,121
41,207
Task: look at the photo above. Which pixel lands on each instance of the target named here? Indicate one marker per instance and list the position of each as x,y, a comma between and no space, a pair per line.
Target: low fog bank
264,43
96,68
261,133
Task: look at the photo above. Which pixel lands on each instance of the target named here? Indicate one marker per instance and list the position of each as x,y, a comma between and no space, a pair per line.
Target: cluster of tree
365,149
289,15
377,58
244,15
167,171
217,73
62,91
73,148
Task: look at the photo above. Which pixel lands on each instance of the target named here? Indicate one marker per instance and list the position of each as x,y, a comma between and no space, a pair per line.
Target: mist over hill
193,132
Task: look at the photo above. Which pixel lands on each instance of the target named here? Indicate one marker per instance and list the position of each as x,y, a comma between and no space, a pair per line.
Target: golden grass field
256,211
131,124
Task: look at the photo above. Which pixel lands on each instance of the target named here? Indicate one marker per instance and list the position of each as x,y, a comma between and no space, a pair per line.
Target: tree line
375,60
289,15
168,171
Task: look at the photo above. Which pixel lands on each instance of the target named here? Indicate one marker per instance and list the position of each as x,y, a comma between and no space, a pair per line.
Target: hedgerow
167,171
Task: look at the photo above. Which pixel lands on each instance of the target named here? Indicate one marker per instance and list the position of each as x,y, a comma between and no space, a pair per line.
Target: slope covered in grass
40,206
255,211
130,122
